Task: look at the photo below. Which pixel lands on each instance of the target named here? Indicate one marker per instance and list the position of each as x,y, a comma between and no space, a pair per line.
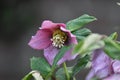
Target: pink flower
116,71
101,65
51,37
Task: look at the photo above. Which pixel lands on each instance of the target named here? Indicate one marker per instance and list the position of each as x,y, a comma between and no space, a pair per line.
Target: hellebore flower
116,71
113,77
101,65
51,37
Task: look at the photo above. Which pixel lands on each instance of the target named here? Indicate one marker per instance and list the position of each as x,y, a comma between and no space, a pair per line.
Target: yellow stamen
59,38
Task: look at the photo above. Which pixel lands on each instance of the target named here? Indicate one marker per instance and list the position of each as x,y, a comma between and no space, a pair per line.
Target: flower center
59,38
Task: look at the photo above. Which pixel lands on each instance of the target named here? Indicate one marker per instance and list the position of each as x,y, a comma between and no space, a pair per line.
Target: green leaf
114,36
112,48
81,63
60,54
60,74
78,47
82,33
79,22
92,42
36,75
41,65
28,77
33,74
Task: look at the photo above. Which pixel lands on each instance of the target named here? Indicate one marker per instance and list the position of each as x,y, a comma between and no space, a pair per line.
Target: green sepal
112,48
114,36
82,33
41,65
79,22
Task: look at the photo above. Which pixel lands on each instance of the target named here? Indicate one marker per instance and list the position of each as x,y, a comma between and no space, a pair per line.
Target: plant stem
66,71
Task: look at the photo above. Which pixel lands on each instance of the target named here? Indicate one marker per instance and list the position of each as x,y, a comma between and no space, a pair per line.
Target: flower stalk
66,71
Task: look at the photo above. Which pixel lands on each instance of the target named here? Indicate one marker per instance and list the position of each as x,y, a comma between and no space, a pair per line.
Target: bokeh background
19,20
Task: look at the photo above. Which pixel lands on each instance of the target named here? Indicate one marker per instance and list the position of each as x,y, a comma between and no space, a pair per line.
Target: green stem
66,71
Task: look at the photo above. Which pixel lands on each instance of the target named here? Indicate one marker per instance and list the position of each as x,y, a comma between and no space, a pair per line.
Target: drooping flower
116,71
101,65
51,37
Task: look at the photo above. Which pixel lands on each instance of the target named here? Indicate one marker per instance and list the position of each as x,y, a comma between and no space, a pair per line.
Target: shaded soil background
19,20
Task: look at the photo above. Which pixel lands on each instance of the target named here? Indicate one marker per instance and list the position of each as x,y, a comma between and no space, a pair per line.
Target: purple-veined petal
71,38
116,66
50,53
41,40
113,77
101,64
104,72
52,26
100,60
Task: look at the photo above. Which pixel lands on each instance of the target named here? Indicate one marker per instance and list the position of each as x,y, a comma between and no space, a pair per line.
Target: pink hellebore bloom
116,71
51,37
101,65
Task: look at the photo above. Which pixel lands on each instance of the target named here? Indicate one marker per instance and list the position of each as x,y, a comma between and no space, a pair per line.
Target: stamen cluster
59,38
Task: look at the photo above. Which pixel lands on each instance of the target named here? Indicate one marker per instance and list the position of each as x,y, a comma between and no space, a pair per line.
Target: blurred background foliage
19,20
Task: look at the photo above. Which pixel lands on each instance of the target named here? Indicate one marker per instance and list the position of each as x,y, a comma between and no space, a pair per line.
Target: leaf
114,36
78,47
33,74
36,75
112,48
41,65
60,54
79,22
81,63
60,74
82,33
28,77
92,42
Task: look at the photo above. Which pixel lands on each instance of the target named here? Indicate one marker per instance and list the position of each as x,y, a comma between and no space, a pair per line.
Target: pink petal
41,40
71,38
100,60
116,66
52,26
103,72
50,54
